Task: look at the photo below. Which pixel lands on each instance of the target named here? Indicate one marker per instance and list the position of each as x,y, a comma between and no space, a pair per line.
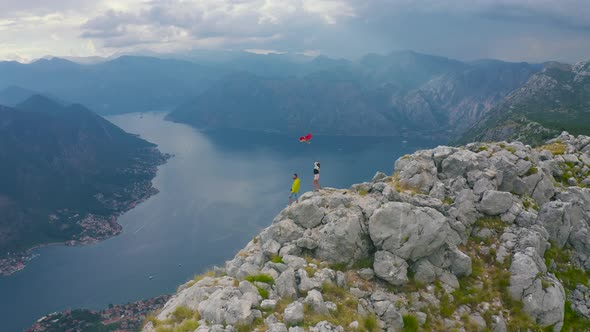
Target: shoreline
122,317
104,227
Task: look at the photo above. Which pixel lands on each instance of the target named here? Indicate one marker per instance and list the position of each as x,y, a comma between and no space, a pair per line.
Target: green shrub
339,267
181,313
364,263
264,278
310,271
446,307
263,292
370,324
410,323
573,322
532,170
277,259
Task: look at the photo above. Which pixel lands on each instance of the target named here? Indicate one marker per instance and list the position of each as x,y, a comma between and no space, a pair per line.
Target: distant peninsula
66,175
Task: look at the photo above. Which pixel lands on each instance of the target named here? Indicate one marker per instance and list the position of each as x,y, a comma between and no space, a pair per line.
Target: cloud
246,23
534,30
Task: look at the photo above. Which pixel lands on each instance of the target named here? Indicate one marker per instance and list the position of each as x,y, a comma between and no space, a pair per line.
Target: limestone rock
407,231
554,216
306,214
391,268
293,313
494,203
285,284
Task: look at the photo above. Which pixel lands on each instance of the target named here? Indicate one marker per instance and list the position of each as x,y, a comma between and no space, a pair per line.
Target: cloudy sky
530,30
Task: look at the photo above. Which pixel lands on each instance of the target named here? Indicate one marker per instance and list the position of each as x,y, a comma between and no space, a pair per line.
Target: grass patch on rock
277,259
345,313
261,277
410,323
492,223
488,283
559,262
555,148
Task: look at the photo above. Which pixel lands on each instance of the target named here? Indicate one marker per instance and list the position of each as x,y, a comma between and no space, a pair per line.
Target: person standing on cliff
316,176
295,189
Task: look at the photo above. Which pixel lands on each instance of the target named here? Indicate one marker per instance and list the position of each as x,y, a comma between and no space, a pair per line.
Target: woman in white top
316,176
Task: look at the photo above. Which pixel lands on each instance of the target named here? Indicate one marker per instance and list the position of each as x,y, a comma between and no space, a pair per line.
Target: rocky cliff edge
489,237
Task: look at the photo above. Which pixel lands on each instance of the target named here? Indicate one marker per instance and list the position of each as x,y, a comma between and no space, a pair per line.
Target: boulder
554,216
389,314
379,176
325,326
268,304
460,264
417,172
459,163
216,309
494,203
316,301
282,231
544,191
342,239
498,324
293,314
408,232
424,271
545,304
306,214
580,301
277,327
390,268
238,312
285,284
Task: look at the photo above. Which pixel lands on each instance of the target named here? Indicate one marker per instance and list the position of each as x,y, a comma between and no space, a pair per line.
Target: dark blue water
218,191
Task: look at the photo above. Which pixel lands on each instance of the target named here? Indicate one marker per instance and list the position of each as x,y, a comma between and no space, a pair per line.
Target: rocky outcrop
454,237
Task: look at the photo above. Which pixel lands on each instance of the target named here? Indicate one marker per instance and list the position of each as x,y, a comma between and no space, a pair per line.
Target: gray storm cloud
533,30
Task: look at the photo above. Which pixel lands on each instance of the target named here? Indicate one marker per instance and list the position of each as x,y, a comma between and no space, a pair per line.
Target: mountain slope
65,172
484,237
14,95
401,93
126,84
556,99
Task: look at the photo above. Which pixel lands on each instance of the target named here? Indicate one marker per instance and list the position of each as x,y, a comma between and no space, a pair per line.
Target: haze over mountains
399,93
379,95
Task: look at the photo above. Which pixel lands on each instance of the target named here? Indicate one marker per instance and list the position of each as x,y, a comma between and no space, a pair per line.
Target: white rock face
293,313
391,268
494,203
408,232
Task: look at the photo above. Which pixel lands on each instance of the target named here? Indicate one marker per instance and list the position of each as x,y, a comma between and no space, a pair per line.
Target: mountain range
66,172
125,84
396,94
551,101
401,93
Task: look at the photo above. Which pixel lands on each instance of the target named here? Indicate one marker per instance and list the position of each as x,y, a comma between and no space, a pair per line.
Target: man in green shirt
295,190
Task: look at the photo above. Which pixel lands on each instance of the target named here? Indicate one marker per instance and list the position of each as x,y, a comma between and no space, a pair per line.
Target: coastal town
117,318
92,227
